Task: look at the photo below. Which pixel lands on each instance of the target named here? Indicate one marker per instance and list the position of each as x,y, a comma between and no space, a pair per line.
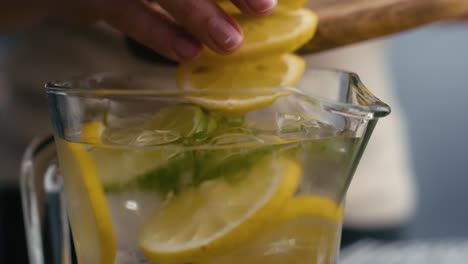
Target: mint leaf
193,167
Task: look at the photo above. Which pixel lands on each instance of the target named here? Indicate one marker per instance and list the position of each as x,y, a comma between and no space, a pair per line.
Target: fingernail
226,37
186,48
262,6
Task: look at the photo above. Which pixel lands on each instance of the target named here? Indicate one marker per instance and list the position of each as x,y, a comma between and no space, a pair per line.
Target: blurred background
430,68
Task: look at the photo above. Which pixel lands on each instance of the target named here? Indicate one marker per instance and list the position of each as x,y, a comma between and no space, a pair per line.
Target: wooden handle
350,21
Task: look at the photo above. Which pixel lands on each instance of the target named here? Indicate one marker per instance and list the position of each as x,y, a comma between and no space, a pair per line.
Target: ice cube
120,136
294,124
261,120
127,113
289,114
320,129
290,122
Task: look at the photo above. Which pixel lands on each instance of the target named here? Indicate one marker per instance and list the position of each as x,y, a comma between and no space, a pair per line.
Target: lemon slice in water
306,231
219,214
89,213
183,119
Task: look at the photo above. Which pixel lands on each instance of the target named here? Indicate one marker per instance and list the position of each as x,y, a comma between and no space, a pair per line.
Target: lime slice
89,214
271,35
183,120
236,81
218,215
306,231
282,6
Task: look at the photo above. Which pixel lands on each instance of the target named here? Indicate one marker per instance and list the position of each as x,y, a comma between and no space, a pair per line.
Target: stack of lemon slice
264,60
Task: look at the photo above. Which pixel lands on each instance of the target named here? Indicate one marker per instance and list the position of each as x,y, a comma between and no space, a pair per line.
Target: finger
205,20
151,28
256,7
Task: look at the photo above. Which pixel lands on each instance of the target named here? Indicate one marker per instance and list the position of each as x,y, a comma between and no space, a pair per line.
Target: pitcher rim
370,106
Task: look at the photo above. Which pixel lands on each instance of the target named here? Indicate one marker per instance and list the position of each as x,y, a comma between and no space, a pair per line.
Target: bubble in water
156,137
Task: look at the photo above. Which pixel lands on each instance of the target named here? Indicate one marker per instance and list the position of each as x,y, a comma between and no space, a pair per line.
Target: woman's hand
174,28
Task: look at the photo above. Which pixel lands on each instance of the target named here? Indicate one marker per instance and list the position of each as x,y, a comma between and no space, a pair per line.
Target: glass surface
151,175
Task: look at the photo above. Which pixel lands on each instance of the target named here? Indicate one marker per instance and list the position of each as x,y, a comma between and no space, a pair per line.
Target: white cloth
382,193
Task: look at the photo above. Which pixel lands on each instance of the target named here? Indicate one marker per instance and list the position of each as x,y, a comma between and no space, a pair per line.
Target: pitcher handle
45,218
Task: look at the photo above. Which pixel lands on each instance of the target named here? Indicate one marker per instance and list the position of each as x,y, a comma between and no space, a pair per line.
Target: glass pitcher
154,174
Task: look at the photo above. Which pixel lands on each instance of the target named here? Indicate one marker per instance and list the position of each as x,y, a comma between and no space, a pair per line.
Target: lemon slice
277,34
89,214
306,231
283,5
91,132
267,72
237,80
183,119
218,215
311,206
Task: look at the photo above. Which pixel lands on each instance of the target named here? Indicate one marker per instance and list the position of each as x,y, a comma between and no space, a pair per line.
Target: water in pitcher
187,185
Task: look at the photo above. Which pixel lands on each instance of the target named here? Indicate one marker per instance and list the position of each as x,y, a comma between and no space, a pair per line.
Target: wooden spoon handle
350,21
